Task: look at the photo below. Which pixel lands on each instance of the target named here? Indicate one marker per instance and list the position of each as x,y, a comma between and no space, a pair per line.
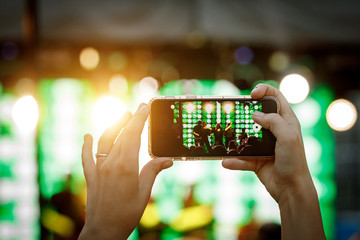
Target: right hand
288,173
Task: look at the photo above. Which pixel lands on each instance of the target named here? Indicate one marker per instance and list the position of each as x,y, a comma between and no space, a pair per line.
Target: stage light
341,115
313,150
209,107
308,112
190,107
148,83
228,107
243,55
279,61
295,88
118,85
25,86
25,114
89,58
225,88
106,111
151,216
117,61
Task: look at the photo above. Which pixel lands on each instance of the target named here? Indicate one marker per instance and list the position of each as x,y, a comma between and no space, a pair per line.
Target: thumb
272,121
149,173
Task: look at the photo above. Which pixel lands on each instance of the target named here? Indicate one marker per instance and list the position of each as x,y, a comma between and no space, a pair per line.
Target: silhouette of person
218,135
204,135
197,133
250,148
243,137
229,134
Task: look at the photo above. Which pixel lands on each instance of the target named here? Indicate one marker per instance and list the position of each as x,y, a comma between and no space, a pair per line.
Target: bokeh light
146,89
228,107
196,39
295,88
117,61
25,114
106,111
89,58
118,85
279,61
244,55
313,150
25,86
148,83
190,107
308,112
341,115
209,107
9,51
225,88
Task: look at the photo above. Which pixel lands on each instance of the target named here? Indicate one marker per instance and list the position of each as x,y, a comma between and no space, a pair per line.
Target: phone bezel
203,98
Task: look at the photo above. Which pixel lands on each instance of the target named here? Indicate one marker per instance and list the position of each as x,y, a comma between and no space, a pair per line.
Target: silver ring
101,155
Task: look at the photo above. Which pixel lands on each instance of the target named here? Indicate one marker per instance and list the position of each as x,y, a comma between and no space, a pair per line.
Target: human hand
288,173
116,193
287,177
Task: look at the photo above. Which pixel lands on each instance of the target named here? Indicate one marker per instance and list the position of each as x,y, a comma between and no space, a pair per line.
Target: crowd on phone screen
224,142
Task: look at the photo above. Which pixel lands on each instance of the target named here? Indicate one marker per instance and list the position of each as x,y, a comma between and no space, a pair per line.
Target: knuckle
105,169
154,167
293,138
124,169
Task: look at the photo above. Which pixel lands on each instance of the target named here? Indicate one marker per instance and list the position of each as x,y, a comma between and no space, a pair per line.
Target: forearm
300,214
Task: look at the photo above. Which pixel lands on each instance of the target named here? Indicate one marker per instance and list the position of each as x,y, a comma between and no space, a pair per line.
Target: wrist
99,231
302,189
300,212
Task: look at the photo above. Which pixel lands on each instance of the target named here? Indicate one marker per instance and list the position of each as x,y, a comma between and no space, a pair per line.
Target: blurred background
72,67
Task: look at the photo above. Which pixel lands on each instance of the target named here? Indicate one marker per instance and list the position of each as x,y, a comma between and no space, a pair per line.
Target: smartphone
208,127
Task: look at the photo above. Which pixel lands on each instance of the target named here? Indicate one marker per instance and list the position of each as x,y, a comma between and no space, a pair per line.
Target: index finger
129,140
263,90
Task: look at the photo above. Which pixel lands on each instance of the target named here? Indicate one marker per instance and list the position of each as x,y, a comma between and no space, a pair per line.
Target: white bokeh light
225,88
308,112
295,88
89,58
341,115
25,114
313,150
146,89
106,111
118,85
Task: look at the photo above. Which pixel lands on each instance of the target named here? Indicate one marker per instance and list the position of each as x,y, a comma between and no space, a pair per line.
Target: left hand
117,193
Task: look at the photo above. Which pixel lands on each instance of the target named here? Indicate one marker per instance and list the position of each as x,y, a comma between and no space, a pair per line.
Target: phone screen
209,128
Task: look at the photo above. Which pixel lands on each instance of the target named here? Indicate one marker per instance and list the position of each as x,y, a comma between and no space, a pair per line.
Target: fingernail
255,89
143,106
258,114
167,164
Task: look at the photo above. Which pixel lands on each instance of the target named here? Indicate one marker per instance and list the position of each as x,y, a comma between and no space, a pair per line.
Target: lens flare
341,115
106,111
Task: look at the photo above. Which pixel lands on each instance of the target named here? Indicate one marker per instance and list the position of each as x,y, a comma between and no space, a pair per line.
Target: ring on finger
101,155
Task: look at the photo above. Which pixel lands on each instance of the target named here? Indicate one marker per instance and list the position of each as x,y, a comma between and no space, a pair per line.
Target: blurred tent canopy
274,23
